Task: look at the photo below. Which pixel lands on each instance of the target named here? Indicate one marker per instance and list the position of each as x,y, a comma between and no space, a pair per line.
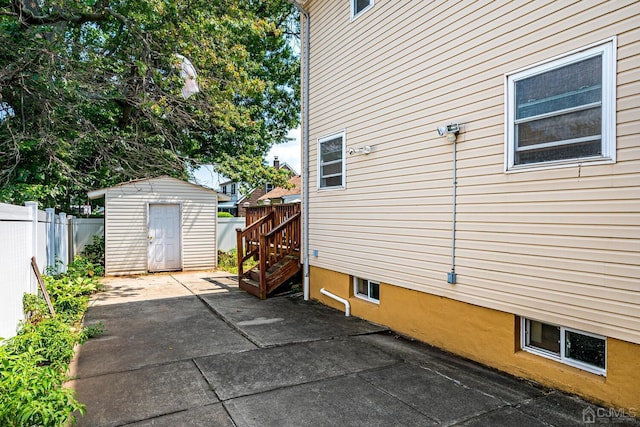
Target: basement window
580,349
366,289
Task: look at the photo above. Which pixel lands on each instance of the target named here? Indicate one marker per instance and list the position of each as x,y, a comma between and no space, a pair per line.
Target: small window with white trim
562,111
576,348
360,6
366,289
331,161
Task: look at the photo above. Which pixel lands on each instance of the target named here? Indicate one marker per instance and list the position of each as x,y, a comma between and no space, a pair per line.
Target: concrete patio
191,349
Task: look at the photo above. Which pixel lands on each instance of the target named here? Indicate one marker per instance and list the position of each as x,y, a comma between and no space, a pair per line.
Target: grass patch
228,261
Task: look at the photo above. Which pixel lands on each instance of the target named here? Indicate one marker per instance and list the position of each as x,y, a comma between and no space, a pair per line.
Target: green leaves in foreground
34,363
31,392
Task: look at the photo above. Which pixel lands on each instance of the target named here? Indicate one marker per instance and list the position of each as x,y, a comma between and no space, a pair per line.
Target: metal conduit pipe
347,306
305,150
452,275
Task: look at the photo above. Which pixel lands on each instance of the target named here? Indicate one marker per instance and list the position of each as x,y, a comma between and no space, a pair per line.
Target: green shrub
94,253
70,293
228,261
51,339
33,364
31,392
224,215
35,307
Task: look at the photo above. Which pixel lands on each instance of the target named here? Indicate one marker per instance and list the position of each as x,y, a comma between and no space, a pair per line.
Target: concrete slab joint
192,349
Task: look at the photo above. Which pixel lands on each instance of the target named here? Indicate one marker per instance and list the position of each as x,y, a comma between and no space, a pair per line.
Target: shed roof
96,194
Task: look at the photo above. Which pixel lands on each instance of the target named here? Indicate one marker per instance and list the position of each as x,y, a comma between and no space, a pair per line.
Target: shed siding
559,245
126,224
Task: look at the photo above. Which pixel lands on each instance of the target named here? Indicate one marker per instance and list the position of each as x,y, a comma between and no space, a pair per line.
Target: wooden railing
248,242
273,238
281,212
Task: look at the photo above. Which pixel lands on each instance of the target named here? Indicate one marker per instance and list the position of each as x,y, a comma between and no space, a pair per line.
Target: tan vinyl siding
126,223
560,245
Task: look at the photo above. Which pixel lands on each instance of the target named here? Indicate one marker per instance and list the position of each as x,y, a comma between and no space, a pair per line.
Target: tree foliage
90,92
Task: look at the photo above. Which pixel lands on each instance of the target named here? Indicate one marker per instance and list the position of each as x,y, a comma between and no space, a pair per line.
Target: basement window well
366,289
580,349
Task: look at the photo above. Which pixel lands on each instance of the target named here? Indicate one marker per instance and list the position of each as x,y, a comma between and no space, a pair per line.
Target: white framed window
576,348
366,289
360,6
331,161
562,112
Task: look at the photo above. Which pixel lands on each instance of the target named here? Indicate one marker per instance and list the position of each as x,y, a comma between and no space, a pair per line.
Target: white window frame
524,340
366,297
343,135
355,14
607,49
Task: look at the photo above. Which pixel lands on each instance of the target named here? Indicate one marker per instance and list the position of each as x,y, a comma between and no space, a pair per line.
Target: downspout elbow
347,306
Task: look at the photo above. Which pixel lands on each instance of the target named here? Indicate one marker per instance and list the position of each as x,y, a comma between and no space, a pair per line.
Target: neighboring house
159,224
518,245
239,202
283,195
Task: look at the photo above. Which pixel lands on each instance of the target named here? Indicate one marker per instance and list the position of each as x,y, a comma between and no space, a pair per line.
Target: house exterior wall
560,245
126,224
486,336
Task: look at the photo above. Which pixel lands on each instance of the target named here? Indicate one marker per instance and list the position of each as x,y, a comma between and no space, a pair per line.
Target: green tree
90,92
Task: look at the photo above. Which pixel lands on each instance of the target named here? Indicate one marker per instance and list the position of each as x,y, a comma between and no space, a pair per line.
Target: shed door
164,237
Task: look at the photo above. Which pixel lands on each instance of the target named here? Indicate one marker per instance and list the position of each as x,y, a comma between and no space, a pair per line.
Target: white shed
159,224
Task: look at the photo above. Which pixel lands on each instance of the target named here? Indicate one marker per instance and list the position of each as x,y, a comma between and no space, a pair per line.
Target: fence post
51,237
71,237
62,242
33,209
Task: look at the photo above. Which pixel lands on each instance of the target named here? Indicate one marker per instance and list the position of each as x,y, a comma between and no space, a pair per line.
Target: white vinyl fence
27,232
54,240
83,230
226,232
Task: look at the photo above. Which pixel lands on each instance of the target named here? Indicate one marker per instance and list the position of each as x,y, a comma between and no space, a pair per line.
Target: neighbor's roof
96,194
280,192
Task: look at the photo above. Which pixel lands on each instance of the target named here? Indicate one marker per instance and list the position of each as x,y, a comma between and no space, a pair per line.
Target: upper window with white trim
563,111
360,6
331,161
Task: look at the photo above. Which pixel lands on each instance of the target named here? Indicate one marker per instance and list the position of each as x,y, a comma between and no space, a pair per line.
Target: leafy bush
94,254
52,339
31,392
224,215
35,307
33,364
228,261
70,292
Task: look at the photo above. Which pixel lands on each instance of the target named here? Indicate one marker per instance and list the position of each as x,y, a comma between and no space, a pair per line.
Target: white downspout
305,151
347,306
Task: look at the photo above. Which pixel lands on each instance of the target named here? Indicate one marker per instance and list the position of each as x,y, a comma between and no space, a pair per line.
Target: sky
288,153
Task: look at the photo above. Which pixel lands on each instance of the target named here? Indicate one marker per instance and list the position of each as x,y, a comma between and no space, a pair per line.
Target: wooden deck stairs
272,237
